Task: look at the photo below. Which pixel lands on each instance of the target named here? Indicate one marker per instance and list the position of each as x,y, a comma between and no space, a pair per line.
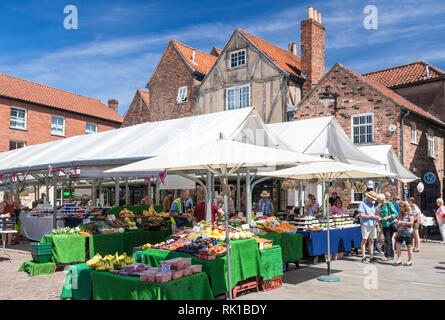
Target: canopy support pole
209,197
17,191
55,201
300,198
47,188
238,191
116,192
101,194
127,192
93,192
226,218
248,197
70,190
158,190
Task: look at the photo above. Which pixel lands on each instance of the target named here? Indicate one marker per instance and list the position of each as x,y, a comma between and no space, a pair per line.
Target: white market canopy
224,155
329,171
121,146
315,136
386,155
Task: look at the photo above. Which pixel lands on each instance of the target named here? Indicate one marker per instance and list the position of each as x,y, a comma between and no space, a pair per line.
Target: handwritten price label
259,214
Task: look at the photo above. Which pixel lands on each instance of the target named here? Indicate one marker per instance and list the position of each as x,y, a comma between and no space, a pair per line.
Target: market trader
178,210
264,205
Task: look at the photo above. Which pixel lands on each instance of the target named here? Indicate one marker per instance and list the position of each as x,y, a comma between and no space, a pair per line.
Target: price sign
85,221
259,214
165,268
245,227
196,229
260,245
274,223
111,217
139,220
205,236
240,215
256,230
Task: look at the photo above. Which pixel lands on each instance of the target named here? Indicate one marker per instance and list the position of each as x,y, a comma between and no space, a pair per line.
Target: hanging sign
259,214
58,171
420,187
13,177
50,169
67,173
429,178
75,170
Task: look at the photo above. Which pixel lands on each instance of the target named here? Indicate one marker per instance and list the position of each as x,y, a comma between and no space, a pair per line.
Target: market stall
35,227
66,248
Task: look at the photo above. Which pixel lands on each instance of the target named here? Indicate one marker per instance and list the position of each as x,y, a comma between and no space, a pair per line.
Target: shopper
368,220
396,202
440,216
387,214
417,220
404,223
243,203
201,208
337,208
312,207
189,202
264,205
7,207
167,201
334,197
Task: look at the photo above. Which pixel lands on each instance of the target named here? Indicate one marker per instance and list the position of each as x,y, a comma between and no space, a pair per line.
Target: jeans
389,250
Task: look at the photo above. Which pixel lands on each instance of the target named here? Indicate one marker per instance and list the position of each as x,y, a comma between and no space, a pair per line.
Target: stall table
66,248
37,269
124,242
35,227
291,245
107,286
245,263
271,262
341,240
77,282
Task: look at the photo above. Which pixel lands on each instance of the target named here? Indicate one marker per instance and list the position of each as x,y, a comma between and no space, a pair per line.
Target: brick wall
358,98
137,113
39,124
171,74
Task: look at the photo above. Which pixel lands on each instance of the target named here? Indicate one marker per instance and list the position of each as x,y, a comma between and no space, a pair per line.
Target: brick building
139,111
33,113
373,114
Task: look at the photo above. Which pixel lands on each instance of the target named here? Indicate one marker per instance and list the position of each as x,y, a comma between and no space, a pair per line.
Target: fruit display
198,245
177,263
273,224
153,246
177,269
212,252
124,213
174,245
110,262
117,223
131,225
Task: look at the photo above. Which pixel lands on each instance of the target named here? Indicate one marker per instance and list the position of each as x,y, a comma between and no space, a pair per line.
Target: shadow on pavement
306,273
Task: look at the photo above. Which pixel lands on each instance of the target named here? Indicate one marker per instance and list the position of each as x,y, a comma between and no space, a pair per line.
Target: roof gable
202,63
405,74
25,90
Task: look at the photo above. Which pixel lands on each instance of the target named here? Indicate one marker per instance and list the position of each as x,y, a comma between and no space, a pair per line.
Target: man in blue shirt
396,203
265,205
368,221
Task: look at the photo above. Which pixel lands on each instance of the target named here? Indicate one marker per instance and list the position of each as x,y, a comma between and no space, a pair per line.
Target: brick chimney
113,104
293,48
312,49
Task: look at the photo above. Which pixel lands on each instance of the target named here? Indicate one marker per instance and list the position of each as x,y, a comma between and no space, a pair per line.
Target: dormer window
182,94
237,58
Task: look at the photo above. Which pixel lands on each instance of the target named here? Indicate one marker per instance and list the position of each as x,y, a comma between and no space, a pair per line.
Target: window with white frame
413,132
363,128
430,139
18,118
237,58
357,196
91,128
238,97
58,126
182,94
16,144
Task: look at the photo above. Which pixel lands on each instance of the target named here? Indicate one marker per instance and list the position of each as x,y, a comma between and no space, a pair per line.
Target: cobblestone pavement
424,280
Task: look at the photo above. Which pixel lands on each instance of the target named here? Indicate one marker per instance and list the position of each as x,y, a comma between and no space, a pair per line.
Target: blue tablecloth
341,240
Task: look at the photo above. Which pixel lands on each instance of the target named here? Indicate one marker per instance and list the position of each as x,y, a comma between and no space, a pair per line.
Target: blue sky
119,43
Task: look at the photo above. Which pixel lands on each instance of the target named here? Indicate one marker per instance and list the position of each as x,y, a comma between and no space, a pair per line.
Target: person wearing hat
368,222
264,205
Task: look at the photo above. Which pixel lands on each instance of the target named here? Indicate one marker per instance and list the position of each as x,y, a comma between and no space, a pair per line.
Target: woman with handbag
440,216
388,214
405,223
416,212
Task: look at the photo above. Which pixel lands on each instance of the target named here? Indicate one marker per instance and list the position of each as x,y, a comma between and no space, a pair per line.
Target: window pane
356,120
18,118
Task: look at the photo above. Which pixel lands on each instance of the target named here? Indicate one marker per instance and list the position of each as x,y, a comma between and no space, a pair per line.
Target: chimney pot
319,16
315,17
113,104
310,13
293,48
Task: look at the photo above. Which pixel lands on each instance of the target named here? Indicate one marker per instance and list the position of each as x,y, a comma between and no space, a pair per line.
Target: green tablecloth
107,286
245,263
272,263
36,269
66,248
78,282
291,245
124,242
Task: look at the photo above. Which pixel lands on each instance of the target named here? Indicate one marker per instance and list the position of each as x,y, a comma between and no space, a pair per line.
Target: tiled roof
282,58
394,96
33,92
204,61
401,75
145,95
217,50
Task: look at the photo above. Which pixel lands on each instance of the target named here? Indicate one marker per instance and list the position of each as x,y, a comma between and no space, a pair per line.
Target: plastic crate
7,224
41,258
41,248
271,284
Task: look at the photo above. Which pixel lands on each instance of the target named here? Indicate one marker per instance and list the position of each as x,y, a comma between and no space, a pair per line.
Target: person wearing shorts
368,222
405,223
